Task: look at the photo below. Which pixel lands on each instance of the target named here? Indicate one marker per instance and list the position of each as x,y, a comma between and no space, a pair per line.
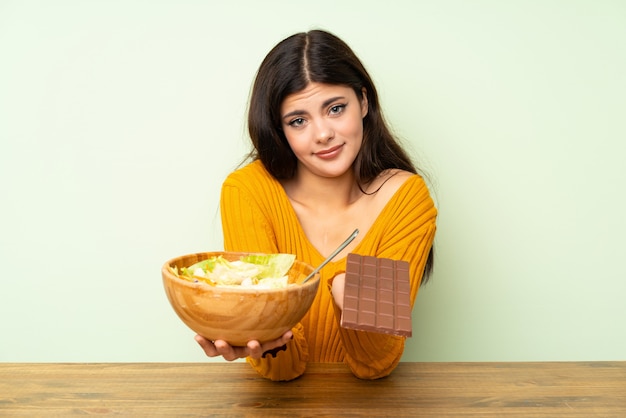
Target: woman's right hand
253,349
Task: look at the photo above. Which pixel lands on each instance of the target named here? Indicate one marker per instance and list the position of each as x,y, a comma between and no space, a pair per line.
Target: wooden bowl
238,315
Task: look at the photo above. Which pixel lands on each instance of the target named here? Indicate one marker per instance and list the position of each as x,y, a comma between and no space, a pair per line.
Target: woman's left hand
337,289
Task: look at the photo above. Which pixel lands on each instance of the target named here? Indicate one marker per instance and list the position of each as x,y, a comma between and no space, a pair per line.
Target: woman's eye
296,122
334,110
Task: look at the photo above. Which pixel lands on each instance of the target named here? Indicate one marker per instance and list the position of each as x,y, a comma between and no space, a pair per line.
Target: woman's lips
329,153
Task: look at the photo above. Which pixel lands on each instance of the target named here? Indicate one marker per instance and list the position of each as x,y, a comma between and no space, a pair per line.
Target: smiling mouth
329,152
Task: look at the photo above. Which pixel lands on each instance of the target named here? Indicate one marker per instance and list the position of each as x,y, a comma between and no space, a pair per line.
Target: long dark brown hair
321,57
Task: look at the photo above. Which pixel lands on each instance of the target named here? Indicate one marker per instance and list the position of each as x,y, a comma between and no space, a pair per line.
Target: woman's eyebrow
326,103
293,113
332,99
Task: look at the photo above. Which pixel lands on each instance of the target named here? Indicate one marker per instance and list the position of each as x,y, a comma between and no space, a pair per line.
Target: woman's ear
364,102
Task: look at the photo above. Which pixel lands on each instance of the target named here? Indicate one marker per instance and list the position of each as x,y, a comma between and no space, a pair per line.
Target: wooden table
553,389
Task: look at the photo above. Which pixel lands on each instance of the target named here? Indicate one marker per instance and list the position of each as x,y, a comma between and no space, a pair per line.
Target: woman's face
324,127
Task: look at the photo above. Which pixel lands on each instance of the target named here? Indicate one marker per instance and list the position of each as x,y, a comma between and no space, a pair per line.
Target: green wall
120,119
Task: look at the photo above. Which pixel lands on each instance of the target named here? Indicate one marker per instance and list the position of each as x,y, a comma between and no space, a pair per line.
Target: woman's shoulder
390,182
249,174
405,194
407,201
255,182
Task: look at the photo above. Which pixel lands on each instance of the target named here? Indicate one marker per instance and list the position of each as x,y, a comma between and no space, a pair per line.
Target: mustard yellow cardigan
257,216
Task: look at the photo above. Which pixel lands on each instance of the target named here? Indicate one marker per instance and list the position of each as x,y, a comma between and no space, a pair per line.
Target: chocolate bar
377,295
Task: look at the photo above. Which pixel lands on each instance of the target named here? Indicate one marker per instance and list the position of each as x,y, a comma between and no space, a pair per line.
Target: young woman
324,164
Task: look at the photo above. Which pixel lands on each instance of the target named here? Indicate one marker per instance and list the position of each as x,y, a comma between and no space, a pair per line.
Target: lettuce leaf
275,265
250,269
206,265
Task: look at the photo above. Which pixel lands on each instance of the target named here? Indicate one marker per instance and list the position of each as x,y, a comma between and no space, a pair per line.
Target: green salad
265,271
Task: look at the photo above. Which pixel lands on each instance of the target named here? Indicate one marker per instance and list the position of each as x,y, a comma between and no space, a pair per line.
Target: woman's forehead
315,94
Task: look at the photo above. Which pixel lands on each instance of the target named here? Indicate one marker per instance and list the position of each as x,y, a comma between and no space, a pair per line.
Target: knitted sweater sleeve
247,212
405,230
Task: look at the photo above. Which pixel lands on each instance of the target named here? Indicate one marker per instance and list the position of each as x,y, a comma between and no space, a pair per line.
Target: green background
120,119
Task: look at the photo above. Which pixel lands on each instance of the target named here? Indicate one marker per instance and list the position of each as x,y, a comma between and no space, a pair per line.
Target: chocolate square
377,295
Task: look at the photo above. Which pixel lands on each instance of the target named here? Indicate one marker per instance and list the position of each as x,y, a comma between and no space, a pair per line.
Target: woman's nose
323,132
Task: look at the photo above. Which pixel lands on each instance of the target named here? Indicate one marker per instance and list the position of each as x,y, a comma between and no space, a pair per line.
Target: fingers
253,349
284,339
257,350
220,348
287,336
207,346
229,352
338,287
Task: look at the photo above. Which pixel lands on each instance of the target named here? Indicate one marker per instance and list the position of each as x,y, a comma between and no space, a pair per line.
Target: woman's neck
309,189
